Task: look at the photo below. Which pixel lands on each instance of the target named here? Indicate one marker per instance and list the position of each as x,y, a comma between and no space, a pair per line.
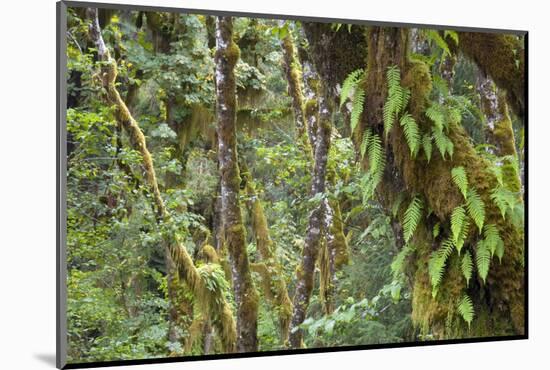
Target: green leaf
476,208
467,266
427,146
412,133
466,309
483,260
436,264
458,174
457,221
357,108
349,85
413,214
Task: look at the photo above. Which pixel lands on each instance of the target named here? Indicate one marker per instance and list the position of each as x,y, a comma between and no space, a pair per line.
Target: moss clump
502,57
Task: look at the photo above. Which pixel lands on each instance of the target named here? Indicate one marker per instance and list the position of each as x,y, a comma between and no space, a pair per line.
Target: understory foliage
125,300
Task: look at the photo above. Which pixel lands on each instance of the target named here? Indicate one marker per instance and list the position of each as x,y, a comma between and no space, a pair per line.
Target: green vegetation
239,185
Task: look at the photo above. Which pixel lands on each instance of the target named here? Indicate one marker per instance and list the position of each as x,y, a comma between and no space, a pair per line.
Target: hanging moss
208,301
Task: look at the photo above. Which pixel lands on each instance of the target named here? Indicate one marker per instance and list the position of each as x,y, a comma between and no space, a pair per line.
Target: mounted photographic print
236,184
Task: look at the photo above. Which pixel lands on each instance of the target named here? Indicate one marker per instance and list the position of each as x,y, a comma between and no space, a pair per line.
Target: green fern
458,174
467,266
375,153
453,35
457,220
365,142
442,142
492,238
412,217
483,260
357,108
436,113
434,37
349,85
504,199
427,146
399,260
466,309
463,235
436,264
393,76
411,131
476,208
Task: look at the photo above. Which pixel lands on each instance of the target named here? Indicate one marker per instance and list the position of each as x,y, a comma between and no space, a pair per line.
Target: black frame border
61,172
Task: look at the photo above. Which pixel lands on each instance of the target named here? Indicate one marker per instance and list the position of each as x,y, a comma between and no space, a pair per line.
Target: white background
27,182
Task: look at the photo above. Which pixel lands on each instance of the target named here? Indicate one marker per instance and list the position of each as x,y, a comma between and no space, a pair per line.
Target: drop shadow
47,358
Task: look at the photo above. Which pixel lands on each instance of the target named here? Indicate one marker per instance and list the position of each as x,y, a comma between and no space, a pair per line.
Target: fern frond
411,131
357,108
365,142
476,208
393,76
466,309
434,37
349,84
427,146
483,259
436,114
457,220
458,174
504,199
412,217
375,153
453,35
497,171
442,142
436,264
388,116
467,266
463,235
492,238
398,262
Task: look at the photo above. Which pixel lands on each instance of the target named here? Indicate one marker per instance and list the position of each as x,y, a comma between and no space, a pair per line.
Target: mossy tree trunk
246,297
316,225
211,303
499,301
502,57
498,129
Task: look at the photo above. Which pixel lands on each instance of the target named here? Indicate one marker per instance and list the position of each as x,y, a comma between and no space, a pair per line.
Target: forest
241,184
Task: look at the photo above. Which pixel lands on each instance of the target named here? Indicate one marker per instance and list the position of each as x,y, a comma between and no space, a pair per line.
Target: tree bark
246,297
211,303
499,303
315,229
502,57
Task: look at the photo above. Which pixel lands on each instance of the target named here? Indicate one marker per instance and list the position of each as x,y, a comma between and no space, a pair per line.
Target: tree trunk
246,297
499,302
315,229
502,57
212,303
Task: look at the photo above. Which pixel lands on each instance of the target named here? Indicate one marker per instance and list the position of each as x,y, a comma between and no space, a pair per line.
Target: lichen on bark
246,296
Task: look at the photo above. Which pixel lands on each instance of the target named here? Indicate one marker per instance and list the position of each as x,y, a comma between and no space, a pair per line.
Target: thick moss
503,58
498,302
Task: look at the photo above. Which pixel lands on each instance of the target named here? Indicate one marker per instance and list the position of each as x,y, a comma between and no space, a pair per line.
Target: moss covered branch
211,303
